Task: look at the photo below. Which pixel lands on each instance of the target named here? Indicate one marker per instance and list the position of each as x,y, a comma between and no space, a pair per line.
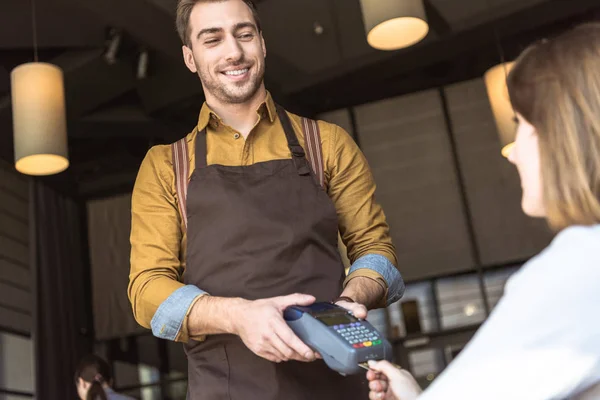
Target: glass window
178,390
460,301
148,374
495,282
151,393
177,358
415,311
425,363
125,375
378,319
136,393
16,363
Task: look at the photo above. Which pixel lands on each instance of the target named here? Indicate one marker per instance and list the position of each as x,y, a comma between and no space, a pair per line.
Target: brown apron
259,231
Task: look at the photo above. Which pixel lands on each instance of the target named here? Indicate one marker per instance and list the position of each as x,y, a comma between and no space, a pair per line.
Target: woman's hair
96,371
555,86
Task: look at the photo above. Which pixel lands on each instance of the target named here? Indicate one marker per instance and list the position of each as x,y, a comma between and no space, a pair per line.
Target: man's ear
264,46
188,59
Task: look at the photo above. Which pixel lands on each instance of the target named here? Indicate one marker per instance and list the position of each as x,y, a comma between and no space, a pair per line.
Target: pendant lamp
394,24
497,90
39,116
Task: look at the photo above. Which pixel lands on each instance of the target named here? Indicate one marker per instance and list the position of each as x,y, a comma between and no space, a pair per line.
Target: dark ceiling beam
122,122
117,130
108,185
436,20
90,81
151,26
55,26
4,80
143,20
6,129
6,142
462,67
123,113
445,48
168,82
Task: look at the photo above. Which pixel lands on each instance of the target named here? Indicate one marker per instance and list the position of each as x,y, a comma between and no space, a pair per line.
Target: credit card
364,365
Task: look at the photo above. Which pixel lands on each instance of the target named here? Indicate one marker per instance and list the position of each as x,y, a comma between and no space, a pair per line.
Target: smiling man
215,263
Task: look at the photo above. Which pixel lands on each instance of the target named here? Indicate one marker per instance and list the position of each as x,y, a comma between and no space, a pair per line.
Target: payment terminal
344,341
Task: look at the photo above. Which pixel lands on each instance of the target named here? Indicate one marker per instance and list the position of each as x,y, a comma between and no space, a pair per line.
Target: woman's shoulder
573,255
576,244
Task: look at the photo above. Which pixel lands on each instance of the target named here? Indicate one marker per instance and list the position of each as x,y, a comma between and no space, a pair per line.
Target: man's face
227,51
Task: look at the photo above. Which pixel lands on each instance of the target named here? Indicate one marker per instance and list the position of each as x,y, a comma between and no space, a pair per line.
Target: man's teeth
237,72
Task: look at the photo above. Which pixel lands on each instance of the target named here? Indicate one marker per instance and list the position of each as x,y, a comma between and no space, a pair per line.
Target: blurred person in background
94,379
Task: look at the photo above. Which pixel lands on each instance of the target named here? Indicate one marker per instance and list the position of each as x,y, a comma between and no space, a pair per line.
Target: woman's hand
389,382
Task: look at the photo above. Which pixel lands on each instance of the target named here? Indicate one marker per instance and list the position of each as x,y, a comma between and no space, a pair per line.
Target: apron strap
181,168
298,154
312,137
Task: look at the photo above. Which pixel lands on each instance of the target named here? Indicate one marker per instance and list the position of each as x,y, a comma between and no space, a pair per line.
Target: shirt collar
206,114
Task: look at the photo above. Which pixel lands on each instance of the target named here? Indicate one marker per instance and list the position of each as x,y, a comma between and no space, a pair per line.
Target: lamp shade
39,119
497,90
394,24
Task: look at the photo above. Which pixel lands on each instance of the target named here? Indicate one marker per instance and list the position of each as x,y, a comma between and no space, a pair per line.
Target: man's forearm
218,315
213,315
364,291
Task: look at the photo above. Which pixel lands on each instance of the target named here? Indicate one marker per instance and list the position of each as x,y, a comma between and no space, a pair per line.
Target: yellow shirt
158,238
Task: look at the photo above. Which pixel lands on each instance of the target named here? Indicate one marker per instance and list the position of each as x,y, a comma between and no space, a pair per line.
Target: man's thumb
296,299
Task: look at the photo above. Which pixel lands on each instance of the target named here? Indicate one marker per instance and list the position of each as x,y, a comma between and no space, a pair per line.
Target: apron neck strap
298,155
290,135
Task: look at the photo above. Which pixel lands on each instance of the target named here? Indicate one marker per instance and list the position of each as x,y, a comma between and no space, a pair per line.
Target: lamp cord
34,26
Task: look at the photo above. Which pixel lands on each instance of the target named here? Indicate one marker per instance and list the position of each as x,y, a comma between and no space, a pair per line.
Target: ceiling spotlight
142,67
113,47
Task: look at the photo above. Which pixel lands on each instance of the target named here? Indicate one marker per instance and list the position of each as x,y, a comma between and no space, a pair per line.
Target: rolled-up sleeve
362,223
158,297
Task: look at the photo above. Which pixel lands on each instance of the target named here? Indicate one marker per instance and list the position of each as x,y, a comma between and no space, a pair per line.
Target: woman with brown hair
93,379
543,339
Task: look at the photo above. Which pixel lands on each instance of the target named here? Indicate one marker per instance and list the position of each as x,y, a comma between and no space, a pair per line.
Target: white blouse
542,341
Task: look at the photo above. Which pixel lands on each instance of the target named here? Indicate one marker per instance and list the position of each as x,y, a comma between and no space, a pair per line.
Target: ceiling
114,117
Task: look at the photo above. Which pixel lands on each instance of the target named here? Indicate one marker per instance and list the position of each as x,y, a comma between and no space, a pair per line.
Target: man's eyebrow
242,25
236,27
207,31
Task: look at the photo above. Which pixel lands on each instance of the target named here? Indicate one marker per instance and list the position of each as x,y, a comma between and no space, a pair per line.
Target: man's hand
367,294
261,327
389,382
358,310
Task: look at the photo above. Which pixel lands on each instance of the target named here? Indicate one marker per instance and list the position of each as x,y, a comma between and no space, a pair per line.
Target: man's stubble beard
223,93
